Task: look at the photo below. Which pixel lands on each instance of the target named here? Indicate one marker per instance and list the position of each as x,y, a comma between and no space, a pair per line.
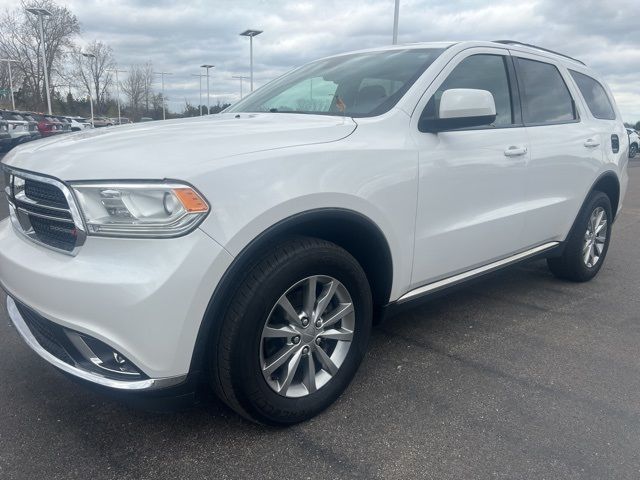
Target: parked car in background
18,127
33,125
259,267
5,138
102,122
79,123
47,126
634,142
65,123
121,121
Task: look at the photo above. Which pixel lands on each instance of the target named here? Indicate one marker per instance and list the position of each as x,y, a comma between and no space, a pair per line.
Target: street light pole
41,12
207,66
251,33
116,71
396,14
241,77
199,75
162,74
90,56
9,62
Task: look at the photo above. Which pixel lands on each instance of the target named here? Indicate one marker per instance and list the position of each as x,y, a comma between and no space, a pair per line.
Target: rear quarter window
595,96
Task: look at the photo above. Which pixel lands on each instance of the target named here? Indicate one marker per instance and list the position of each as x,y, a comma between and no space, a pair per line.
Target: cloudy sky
179,35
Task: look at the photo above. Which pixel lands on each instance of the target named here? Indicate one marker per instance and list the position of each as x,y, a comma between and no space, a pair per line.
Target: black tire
235,366
571,265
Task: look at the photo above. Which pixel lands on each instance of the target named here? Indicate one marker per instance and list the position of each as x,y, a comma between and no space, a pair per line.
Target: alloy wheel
307,336
595,237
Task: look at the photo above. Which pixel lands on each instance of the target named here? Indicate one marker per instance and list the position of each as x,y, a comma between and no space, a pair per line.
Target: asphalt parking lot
520,376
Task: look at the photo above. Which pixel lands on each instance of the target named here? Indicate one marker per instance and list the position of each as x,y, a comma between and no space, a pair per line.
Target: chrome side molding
446,282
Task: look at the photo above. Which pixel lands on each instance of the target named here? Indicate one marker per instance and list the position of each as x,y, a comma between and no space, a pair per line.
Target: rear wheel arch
352,231
608,184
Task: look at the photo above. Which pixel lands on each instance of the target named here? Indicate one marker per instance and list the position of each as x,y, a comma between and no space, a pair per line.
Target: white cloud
180,35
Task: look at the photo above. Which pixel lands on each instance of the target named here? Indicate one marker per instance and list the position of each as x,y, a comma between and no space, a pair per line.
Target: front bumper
144,298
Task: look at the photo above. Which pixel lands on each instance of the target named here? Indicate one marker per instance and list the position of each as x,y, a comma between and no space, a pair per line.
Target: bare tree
93,72
137,88
20,40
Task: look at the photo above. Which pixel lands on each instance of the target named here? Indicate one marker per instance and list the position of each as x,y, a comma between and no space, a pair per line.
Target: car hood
173,148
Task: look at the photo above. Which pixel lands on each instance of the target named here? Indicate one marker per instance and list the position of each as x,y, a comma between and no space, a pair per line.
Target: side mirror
462,108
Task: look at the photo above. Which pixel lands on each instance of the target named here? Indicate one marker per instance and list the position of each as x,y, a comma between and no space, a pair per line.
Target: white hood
172,148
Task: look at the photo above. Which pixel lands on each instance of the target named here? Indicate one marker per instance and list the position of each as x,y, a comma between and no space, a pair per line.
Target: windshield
355,85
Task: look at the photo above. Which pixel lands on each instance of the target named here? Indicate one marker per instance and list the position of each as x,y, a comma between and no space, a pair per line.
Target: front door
470,203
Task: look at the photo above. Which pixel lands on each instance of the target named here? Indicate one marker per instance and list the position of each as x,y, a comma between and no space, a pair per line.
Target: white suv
251,251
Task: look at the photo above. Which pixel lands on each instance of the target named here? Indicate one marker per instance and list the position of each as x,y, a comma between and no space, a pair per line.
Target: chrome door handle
591,143
515,151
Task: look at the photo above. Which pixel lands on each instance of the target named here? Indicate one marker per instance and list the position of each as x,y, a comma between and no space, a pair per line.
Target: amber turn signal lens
191,201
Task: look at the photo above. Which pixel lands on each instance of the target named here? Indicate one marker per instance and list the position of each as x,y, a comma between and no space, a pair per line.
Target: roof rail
515,42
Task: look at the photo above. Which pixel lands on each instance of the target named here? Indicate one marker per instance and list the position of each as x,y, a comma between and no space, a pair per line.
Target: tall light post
241,77
41,12
199,75
396,14
251,33
162,74
207,66
9,62
90,56
116,71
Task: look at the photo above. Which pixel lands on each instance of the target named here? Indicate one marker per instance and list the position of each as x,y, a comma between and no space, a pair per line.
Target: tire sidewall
252,390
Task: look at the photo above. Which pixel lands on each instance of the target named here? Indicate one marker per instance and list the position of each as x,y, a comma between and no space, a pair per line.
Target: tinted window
545,96
483,72
356,85
595,96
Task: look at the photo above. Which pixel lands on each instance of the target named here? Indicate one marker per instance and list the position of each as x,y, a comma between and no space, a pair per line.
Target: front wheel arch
354,232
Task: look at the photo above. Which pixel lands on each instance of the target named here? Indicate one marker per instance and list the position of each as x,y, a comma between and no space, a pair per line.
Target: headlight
140,209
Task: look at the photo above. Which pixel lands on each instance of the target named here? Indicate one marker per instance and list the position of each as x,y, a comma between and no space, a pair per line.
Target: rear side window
595,96
545,96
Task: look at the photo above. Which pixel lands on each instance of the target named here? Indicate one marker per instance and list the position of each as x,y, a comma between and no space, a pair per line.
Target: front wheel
294,334
588,243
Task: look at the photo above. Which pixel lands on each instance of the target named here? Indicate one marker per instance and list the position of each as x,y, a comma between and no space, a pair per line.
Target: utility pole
199,75
41,12
9,62
396,14
162,74
90,56
251,33
241,78
207,66
116,71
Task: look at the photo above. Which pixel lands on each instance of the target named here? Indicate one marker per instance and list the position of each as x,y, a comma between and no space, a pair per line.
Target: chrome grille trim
22,207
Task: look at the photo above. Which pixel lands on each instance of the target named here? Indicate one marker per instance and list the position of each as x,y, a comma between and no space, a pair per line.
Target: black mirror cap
435,125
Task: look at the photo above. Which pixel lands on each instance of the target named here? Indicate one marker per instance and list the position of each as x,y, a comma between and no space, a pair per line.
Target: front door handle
591,143
514,151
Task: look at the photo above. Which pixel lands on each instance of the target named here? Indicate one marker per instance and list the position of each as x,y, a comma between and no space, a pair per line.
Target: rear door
566,147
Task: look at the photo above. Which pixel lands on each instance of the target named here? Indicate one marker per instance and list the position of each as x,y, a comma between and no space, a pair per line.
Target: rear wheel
295,333
588,242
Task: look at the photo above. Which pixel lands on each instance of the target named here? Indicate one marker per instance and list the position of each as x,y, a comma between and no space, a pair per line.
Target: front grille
40,210
50,336
45,193
58,234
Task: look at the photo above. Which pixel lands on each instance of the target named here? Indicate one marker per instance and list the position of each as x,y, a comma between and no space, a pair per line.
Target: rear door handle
591,143
514,151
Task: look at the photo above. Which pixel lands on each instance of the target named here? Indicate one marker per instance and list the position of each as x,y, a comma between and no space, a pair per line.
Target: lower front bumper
76,370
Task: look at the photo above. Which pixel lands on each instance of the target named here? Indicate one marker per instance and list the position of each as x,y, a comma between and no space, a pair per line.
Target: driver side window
482,72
